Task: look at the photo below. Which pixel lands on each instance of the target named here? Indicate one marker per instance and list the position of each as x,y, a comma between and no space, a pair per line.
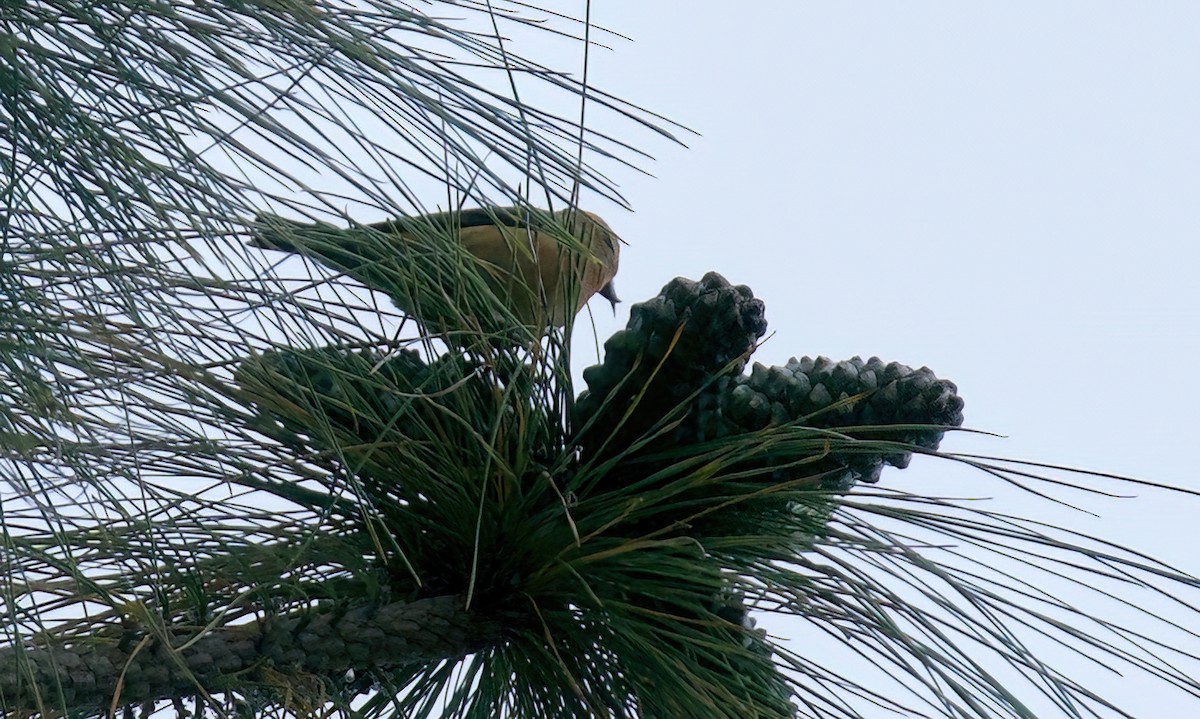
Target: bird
543,266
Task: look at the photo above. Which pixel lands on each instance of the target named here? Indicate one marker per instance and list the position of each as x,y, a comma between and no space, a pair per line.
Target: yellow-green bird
543,266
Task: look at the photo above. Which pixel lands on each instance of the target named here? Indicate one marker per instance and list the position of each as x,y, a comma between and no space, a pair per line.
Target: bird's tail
272,232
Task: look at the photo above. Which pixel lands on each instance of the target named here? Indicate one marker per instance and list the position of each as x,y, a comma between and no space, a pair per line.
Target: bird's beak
609,293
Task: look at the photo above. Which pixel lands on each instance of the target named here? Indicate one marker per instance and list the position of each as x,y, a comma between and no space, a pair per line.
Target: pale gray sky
1008,193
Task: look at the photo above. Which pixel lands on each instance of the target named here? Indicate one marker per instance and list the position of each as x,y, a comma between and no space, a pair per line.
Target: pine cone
680,359
693,337
825,394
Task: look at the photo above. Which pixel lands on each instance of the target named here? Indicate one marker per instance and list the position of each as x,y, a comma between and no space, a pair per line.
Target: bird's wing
472,217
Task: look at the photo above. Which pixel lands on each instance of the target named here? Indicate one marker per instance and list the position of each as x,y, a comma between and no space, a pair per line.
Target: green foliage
471,486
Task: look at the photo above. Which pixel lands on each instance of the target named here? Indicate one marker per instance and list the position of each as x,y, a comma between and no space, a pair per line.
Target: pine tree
230,486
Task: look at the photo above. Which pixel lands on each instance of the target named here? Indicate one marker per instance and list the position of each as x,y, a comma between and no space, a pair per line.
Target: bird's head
605,246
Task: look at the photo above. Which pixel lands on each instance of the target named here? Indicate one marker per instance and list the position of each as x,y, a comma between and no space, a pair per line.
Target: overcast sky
1008,193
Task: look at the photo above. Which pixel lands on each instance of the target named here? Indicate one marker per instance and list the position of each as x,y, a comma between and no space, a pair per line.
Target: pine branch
133,669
